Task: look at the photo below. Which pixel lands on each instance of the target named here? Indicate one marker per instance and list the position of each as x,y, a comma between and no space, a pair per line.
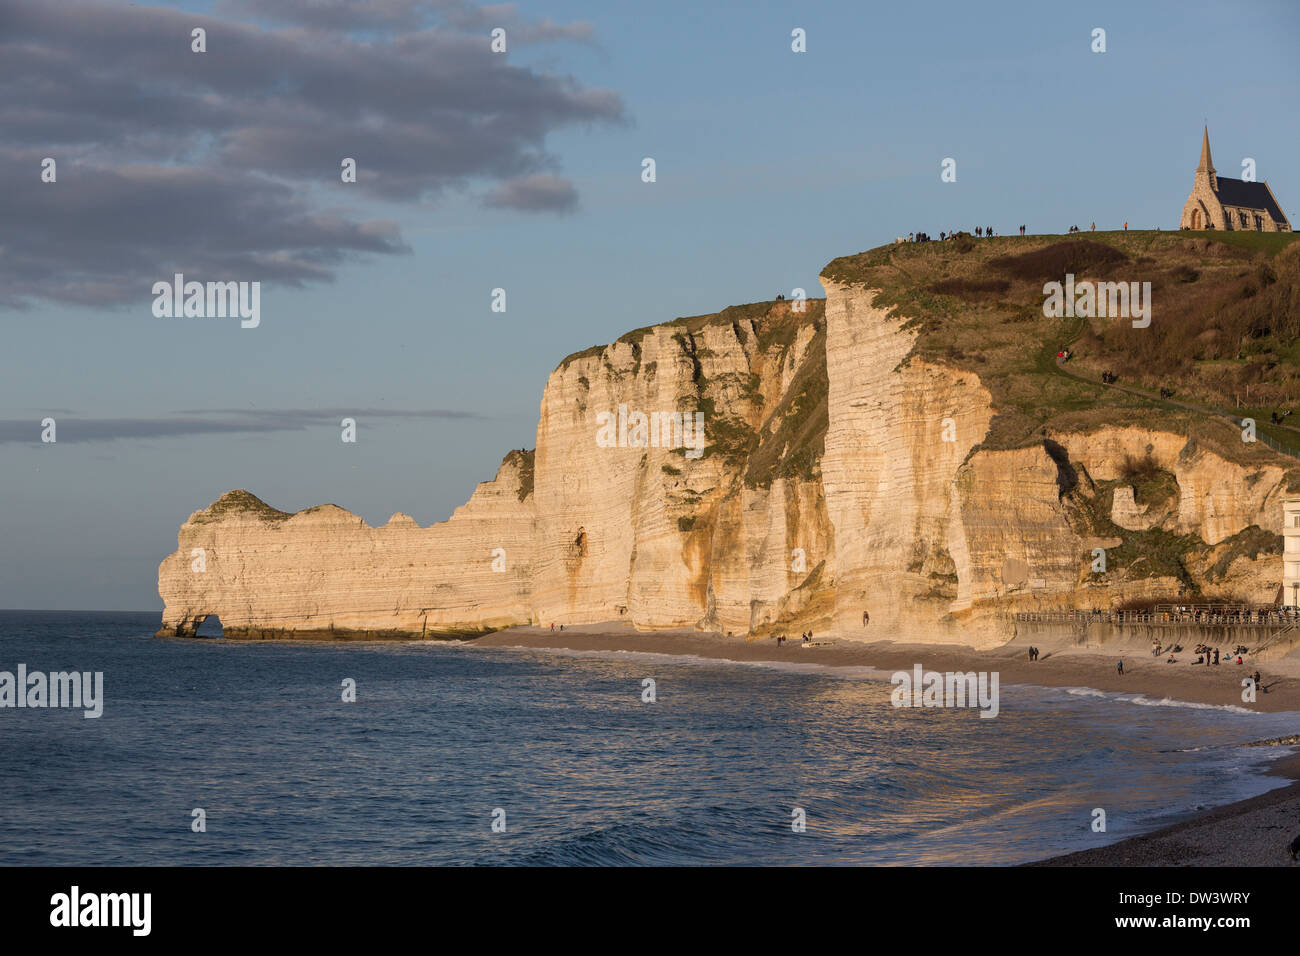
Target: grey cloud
209,422
102,236
537,193
409,15
223,164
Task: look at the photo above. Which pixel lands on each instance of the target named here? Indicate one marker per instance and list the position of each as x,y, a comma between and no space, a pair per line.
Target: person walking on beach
866,618
1119,668
1216,655
1258,686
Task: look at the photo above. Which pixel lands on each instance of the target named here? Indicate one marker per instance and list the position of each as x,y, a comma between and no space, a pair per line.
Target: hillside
1225,329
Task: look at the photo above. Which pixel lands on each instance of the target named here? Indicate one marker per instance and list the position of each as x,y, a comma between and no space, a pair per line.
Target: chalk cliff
637,520
845,469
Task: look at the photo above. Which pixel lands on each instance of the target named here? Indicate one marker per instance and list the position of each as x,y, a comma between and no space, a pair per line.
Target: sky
520,171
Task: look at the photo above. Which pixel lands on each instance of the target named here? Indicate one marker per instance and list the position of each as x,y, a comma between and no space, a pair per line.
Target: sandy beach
1056,667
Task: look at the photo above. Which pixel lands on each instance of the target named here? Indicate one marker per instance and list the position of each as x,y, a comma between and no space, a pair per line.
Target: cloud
195,422
225,165
409,15
541,192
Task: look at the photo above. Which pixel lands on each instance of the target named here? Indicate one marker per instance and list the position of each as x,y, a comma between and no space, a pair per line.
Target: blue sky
769,164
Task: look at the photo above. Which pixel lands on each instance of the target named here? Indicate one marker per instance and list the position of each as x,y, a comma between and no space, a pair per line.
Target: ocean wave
1145,701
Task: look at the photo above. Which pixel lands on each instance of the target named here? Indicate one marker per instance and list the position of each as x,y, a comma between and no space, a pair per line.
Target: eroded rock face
939,539
324,572
605,521
839,475
1218,498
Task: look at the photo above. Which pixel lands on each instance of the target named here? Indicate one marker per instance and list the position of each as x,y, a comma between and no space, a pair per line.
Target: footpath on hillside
1227,418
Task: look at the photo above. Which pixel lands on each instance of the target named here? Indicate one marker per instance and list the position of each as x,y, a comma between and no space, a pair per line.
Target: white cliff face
325,572
1218,498
611,522
669,537
938,538
898,435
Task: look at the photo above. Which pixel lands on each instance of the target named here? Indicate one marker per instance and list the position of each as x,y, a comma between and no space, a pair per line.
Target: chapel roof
1248,195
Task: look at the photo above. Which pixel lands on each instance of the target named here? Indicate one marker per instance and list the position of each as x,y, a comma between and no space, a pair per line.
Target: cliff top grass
239,502
763,315
1224,332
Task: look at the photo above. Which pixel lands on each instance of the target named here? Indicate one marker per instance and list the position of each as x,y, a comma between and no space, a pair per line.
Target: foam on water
1145,701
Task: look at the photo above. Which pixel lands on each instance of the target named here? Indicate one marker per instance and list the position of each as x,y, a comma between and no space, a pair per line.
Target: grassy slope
1226,314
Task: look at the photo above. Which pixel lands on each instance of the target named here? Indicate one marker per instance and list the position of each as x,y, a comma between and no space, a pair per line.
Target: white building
1291,554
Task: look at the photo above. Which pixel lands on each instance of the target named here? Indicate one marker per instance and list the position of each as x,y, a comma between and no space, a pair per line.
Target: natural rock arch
208,625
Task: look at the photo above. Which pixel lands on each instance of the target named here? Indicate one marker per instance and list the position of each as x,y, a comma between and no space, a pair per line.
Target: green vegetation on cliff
524,458
1224,334
240,502
742,426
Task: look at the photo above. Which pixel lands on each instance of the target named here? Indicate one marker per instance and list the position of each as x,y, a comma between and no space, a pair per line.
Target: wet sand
1254,832
1056,667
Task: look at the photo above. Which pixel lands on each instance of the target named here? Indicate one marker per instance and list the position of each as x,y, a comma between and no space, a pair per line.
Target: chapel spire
1207,164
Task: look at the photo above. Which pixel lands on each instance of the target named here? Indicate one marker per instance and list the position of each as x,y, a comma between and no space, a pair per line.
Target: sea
215,752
